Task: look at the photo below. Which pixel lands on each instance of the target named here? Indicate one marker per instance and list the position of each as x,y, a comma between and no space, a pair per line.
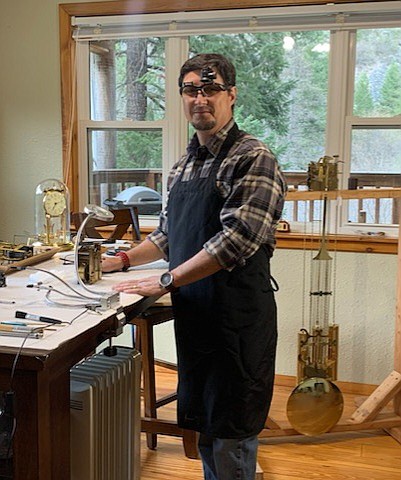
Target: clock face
54,203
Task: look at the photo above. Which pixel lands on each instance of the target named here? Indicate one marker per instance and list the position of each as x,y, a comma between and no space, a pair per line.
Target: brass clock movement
52,213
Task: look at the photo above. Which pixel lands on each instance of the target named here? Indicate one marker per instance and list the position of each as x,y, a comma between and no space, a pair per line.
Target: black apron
225,324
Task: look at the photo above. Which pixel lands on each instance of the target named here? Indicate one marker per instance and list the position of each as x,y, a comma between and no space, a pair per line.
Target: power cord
103,300
8,422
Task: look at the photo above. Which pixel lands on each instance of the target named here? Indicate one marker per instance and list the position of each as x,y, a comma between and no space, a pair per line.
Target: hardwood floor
371,455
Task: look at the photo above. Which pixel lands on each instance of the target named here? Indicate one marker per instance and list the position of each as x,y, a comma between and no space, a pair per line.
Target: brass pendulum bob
316,404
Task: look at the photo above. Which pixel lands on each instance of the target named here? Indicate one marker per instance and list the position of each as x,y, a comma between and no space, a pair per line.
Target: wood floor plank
364,455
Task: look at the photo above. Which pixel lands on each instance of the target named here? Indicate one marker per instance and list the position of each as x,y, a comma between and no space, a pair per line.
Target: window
127,79
313,81
122,124
121,158
377,85
373,127
283,83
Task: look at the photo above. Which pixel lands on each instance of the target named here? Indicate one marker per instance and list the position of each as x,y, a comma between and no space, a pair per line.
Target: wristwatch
166,281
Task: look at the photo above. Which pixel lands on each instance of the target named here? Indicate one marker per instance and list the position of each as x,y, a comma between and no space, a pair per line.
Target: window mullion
83,115
341,75
340,98
177,127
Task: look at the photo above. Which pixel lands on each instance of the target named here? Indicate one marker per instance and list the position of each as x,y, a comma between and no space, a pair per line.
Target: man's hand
147,287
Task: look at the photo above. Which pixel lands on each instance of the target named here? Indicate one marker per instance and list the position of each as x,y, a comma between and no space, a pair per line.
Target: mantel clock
52,213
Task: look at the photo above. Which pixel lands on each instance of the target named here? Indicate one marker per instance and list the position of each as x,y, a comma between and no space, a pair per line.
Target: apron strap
225,148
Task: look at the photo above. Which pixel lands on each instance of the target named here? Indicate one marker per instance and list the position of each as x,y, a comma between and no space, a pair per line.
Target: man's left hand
147,287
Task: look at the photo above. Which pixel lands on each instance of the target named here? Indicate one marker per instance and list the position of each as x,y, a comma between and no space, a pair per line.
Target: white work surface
33,301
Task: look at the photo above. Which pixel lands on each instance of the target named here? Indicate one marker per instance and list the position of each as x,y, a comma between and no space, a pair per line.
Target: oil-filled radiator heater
105,416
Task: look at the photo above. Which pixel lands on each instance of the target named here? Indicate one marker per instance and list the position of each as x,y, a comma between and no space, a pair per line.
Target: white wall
364,310
30,151
30,108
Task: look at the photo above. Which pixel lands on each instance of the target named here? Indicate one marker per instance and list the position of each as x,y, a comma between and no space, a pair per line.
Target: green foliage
308,69
259,60
282,92
153,79
378,59
281,99
259,129
139,149
363,101
390,98
282,96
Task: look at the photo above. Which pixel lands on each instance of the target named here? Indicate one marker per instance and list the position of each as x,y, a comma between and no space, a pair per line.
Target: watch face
54,203
166,280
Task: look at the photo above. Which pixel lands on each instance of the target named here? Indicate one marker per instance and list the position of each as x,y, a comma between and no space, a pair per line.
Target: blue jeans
228,458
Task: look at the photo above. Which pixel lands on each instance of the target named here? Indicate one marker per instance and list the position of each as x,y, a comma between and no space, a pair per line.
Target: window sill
339,243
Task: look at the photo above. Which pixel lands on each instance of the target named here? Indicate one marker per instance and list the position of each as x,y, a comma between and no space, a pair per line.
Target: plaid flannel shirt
253,187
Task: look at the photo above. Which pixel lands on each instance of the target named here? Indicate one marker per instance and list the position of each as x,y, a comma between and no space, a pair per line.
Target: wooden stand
367,416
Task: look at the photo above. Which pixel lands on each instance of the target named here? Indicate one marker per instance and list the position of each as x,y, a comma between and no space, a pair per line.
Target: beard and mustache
203,122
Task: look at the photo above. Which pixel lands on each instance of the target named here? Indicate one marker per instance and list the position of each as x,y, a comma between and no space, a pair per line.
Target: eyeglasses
208,90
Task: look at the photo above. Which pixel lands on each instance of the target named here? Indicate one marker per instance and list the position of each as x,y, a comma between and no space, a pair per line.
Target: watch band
125,259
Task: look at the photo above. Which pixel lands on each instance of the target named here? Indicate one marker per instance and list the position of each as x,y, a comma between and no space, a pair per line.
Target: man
225,197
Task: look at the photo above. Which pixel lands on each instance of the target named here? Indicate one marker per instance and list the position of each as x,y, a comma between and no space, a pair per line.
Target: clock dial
54,203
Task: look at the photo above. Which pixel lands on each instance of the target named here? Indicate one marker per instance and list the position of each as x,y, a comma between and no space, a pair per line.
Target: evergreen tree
363,101
263,98
308,69
140,83
390,98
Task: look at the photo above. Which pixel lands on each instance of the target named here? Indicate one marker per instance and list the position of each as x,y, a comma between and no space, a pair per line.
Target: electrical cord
61,280
50,289
66,260
7,417
91,302
17,355
87,306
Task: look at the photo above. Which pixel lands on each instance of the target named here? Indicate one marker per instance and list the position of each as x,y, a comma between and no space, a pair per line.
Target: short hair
220,63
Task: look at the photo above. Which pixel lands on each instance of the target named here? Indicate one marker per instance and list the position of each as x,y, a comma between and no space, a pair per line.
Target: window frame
176,140
351,122
172,126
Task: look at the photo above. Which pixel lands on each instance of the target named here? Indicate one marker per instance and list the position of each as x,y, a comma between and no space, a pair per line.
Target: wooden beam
397,337
383,421
270,423
132,7
68,107
396,431
379,398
